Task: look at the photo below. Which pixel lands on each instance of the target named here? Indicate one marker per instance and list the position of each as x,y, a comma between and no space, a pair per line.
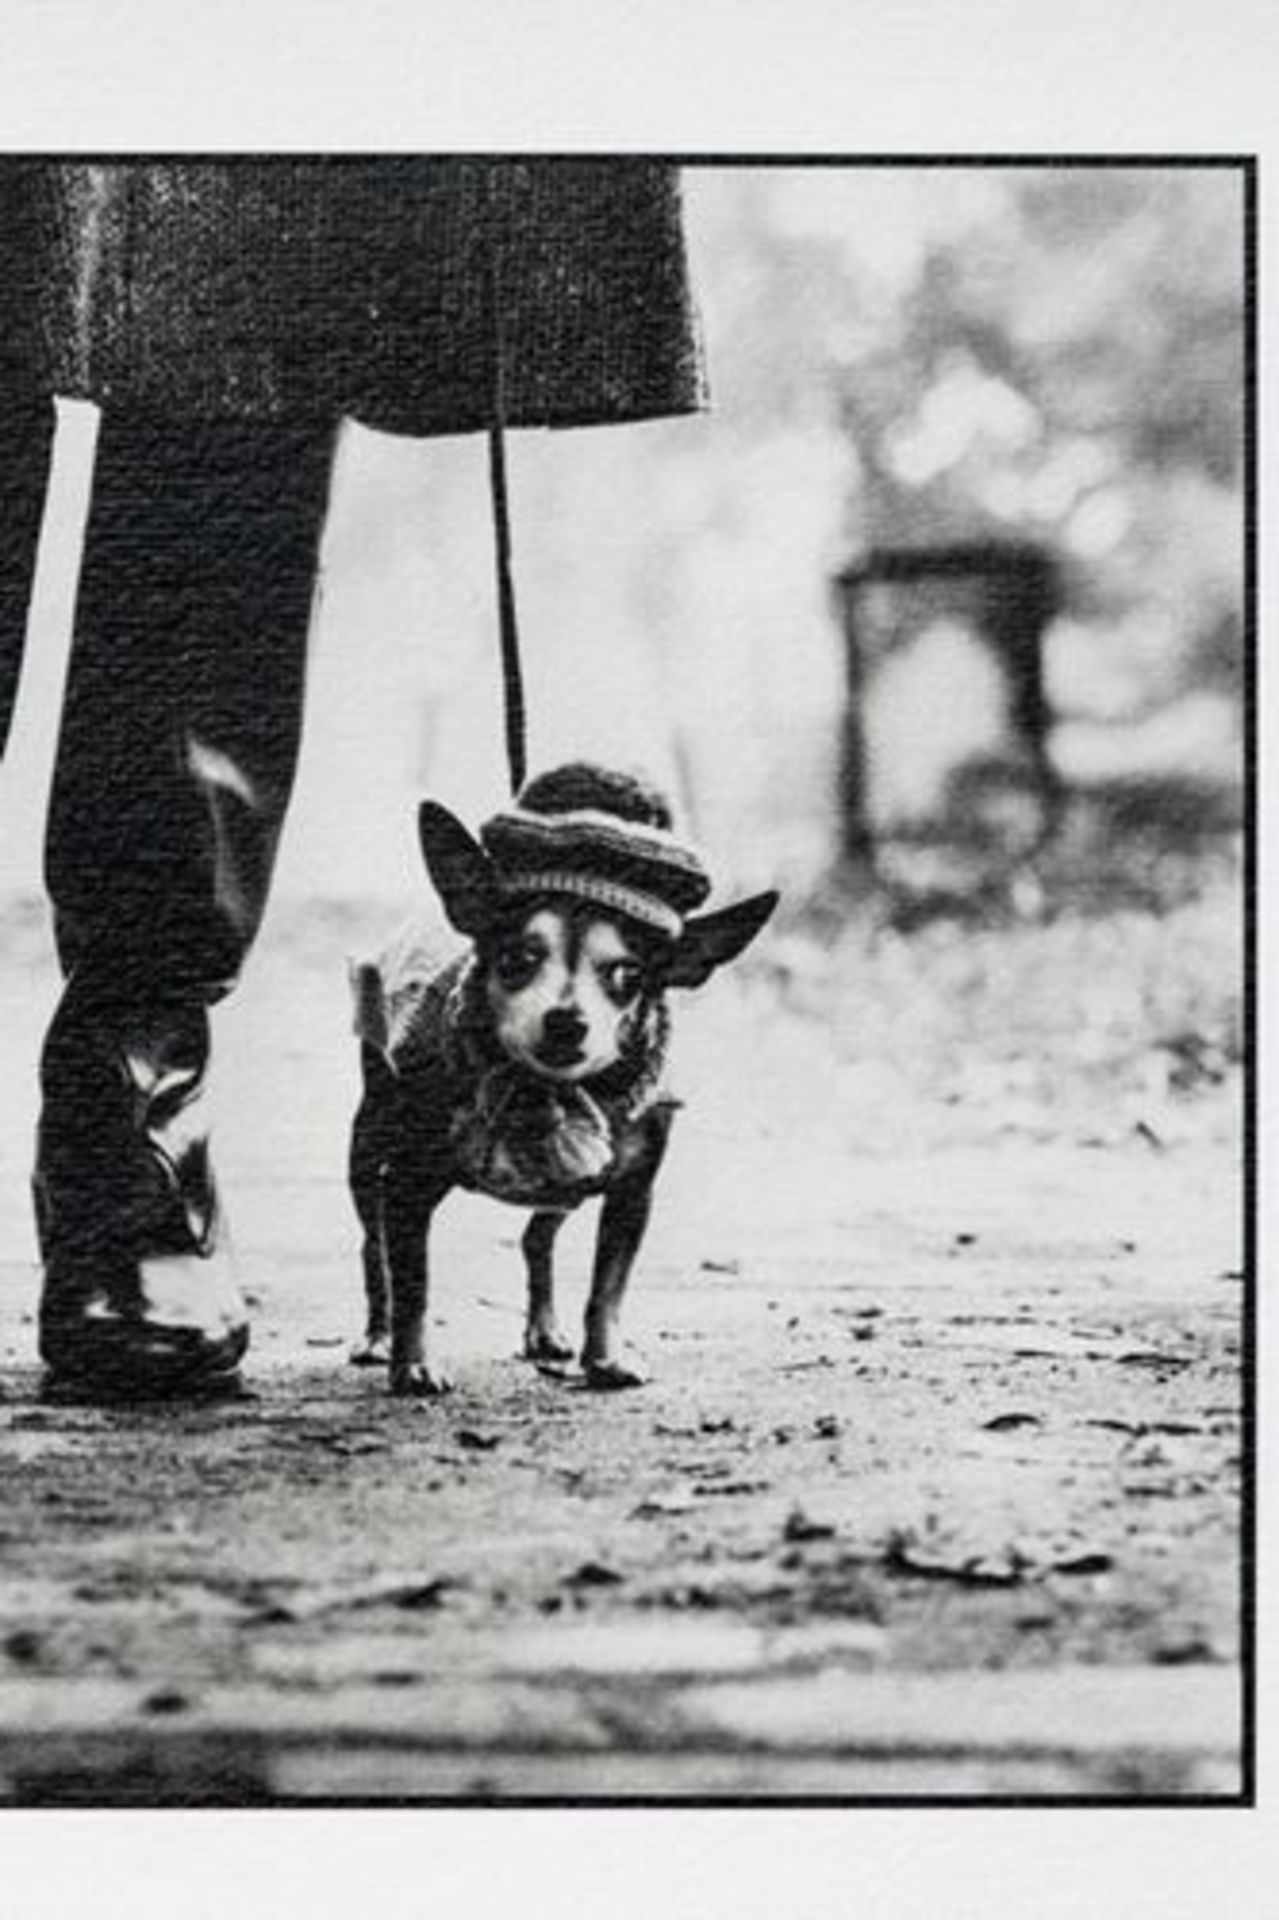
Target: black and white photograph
633,770
622,1156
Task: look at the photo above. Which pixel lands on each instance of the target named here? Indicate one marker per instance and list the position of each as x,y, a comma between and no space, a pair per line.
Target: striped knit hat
635,866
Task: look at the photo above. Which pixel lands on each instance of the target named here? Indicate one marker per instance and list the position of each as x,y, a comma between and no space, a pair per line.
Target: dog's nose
564,1026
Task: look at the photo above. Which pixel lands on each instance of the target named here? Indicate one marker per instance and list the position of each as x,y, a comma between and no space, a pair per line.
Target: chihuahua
529,1064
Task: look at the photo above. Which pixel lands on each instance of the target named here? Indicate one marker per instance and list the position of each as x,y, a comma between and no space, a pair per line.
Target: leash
514,710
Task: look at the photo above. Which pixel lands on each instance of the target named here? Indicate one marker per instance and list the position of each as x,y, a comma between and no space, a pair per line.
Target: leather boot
139,1298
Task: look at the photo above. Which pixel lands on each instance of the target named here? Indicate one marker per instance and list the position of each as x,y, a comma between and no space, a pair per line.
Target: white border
970,78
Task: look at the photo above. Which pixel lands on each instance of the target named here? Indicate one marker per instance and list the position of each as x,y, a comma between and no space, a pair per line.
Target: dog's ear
711,939
460,870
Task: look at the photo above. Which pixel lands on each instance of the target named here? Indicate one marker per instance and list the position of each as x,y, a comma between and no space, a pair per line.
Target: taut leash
515,712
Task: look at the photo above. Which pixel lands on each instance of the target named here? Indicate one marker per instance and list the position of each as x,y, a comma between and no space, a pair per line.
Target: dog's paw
546,1346
374,1350
419,1382
610,1376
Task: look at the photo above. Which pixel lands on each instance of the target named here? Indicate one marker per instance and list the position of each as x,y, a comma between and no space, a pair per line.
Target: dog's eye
516,964
622,981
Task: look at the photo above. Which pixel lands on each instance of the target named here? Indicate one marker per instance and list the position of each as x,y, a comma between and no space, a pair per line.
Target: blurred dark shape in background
1041,380
1002,594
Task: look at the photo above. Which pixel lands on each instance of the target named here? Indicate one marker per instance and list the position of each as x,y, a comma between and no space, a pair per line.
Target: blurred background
898,357
1011,861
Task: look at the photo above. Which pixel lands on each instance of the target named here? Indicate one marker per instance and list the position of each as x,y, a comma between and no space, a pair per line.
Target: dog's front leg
409,1199
370,1137
543,1340
623,1219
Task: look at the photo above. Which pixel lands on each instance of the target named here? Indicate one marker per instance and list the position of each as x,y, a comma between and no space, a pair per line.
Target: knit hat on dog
634,866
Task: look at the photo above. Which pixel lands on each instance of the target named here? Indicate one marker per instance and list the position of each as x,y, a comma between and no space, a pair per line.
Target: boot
139,1298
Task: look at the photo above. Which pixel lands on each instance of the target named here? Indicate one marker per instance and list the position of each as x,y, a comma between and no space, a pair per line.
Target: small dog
529,1065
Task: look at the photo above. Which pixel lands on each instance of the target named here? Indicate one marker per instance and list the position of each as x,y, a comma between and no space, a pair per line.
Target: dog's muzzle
563,1039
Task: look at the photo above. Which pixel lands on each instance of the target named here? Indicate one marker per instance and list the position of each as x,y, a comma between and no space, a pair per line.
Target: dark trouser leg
176,759
26,445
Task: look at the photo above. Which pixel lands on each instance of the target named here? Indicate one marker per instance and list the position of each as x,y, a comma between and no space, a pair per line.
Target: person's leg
26,446
176,758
